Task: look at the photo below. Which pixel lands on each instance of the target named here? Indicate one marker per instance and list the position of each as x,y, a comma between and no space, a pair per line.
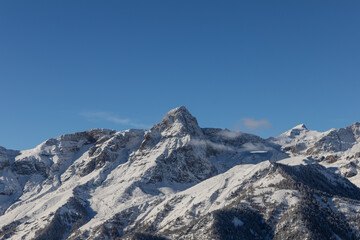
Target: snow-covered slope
338,149
298,139
175,181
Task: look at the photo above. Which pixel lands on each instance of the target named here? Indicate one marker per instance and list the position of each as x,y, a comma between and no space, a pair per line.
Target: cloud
255,147
252,124
230,134
204,143
246,147
109,117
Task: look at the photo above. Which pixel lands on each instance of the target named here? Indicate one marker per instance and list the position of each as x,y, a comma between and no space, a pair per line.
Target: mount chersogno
180,181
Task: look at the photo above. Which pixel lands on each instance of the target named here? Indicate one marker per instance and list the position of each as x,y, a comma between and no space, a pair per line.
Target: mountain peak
179,120
181,109
296,130
300,126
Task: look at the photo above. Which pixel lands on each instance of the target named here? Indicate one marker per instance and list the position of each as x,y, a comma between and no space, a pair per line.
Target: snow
299,136
233,166
300,126
343,145
258,151
295,161
289,197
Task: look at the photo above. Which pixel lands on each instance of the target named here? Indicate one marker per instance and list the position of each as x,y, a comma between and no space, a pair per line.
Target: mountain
180,181
336,149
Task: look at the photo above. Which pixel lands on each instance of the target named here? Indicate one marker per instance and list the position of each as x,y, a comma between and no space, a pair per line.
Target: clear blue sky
69,66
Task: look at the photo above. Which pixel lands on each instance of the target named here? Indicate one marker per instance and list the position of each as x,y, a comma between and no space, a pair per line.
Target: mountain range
180,181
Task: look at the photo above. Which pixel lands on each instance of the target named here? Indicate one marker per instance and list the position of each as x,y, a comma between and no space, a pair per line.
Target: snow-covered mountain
180,181
336,149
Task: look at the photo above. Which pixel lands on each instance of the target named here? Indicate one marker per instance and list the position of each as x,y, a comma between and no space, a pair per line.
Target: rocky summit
180,181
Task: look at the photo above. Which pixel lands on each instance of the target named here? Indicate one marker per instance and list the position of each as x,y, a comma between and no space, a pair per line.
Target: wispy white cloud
255,147
252,124
204,143
247,147
230,134
110,117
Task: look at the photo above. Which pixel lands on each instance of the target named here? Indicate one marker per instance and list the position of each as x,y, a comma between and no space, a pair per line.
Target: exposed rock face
180,181
296,131
7,157
176,158
120,145
178,122
4,161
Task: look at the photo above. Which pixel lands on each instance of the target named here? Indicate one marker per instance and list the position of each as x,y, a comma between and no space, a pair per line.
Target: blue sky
256,66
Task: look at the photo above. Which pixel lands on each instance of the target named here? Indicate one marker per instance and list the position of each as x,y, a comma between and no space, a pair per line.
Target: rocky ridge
180,181
337,149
